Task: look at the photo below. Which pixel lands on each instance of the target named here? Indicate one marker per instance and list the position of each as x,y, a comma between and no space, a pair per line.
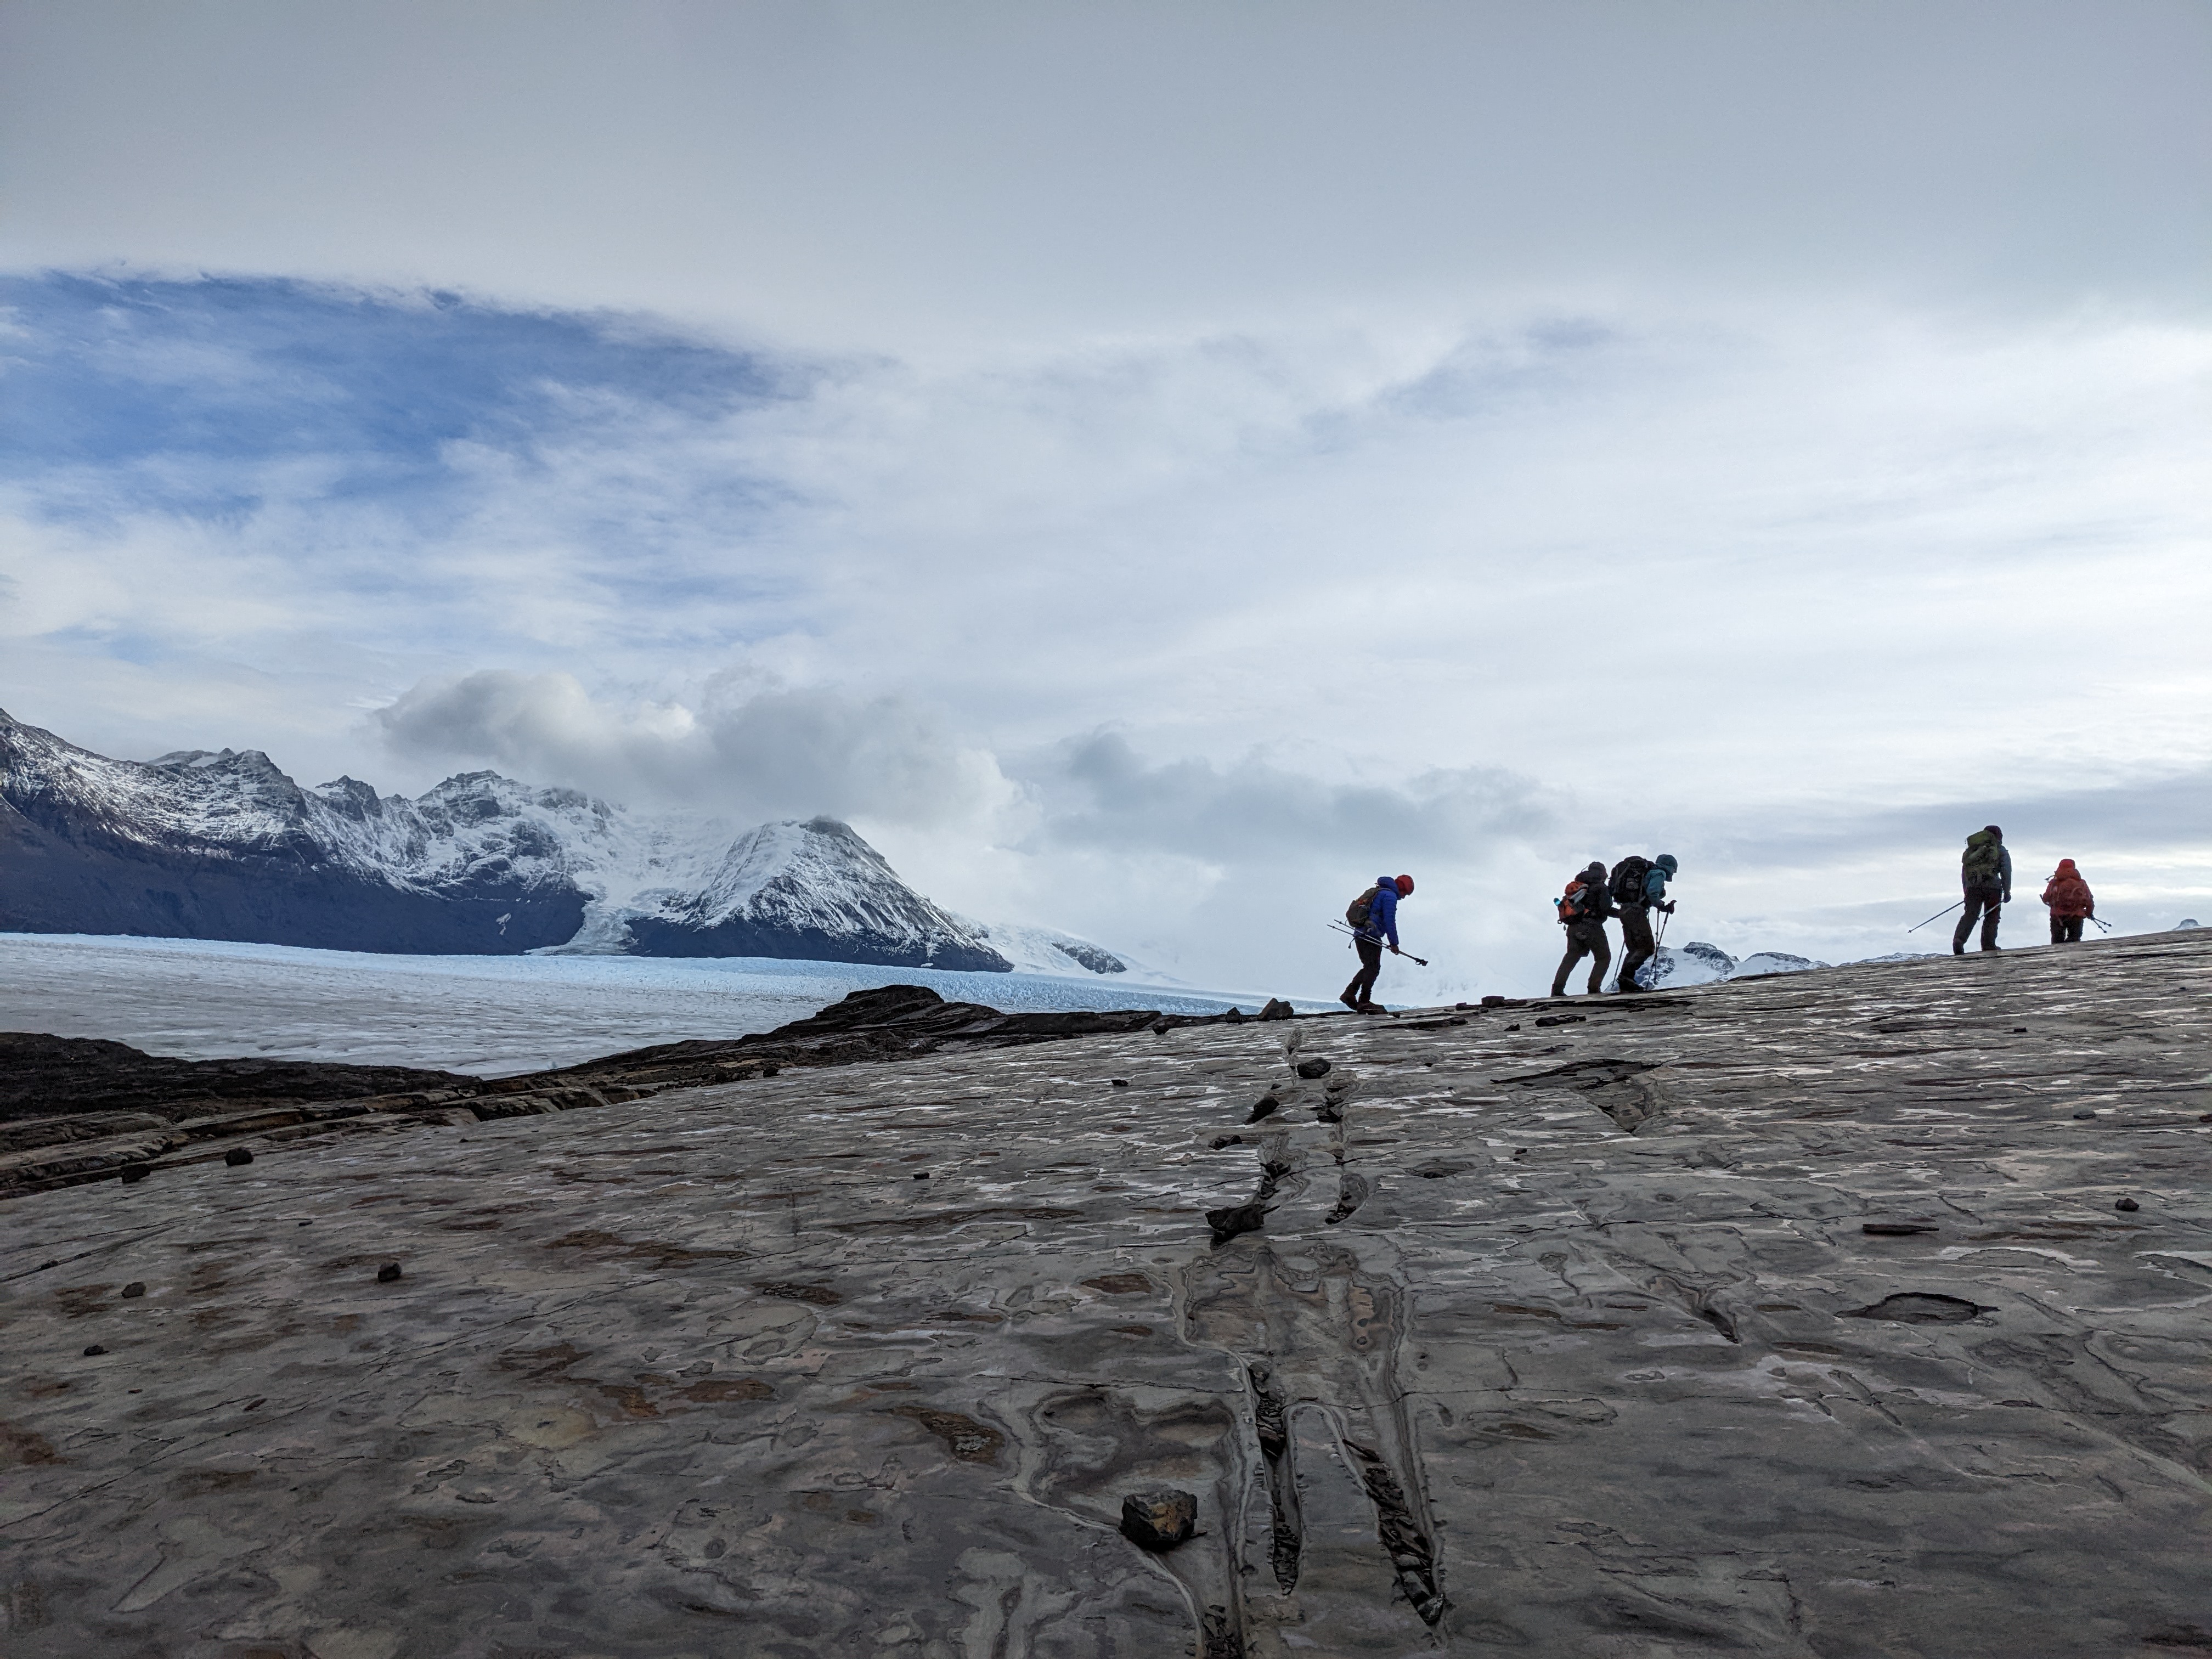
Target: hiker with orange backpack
1582,910
1374,919
2071,903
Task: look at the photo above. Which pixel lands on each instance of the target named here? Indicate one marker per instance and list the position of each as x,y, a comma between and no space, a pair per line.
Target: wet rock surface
1569,1341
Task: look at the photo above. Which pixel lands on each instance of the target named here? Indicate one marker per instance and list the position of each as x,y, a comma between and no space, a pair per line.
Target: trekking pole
2106,926
1409,955
1938,916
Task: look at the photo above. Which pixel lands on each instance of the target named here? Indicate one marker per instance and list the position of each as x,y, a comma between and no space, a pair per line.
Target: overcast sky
1151,468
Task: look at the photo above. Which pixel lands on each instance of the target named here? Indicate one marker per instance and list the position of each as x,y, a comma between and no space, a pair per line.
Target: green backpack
1982,864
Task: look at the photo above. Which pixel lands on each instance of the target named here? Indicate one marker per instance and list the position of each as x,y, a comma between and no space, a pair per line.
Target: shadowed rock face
1567,1341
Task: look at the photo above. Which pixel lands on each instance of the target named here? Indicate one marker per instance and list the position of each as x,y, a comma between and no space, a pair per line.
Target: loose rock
133,1173
1235,1219
1313,1068
1277,1009
2126,1204
1264,1107
94,1349
135,1288
1159,1519
387,1272
236,1155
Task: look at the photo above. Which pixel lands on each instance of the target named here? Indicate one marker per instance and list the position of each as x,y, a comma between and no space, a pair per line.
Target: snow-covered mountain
224,845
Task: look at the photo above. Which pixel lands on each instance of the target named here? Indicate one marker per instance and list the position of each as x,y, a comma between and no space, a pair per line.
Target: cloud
757,750
1095,792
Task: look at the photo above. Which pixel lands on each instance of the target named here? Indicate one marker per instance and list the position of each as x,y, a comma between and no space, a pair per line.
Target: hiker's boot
1350,1001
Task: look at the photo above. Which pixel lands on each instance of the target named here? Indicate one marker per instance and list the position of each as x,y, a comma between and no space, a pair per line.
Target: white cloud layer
1200,461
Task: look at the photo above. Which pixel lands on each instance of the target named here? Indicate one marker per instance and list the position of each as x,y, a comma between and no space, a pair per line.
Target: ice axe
1422,962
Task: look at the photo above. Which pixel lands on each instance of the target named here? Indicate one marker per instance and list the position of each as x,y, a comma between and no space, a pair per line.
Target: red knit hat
1404,885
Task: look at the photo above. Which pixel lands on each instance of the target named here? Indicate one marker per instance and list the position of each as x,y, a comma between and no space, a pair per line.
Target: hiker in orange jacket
2071,902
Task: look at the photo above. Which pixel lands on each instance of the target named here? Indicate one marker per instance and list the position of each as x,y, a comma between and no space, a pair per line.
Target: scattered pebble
94,1349
1313,1068
1236,1219
1159,1519
133,1172
1264,1107
921,1174
236,1155
2083,1117
1120,1082
2126,1204
387,1272
135,1288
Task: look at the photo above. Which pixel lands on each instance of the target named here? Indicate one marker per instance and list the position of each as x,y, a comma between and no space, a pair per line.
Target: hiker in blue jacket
1640,887
1374,919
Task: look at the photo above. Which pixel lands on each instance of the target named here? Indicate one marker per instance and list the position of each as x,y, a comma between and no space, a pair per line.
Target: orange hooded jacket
2067,894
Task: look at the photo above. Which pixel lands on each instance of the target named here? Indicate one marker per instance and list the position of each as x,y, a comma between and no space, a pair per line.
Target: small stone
1557,1019
1160,1518
1277,1009
1513,1028
1494,1002
770,1071
94,1349
1235,1219
1462,1005
387,1272
43,1266
1264,1107
308,1224
236,1155
921,1174
2083,1117
1313,1068
2126,1204
133,1172
1120,1082
1220,1141
136,1287
2020,1030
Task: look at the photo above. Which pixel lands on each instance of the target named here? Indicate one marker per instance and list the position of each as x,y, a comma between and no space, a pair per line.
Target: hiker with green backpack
1583,910
1985,873
1373,917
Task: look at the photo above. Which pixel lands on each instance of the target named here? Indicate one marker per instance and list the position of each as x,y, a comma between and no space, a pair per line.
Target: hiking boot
1369,1008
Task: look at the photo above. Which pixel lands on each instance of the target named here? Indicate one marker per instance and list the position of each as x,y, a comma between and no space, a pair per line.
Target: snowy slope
224,845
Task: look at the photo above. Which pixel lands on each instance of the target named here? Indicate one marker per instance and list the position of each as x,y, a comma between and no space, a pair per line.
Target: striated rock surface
1796,1315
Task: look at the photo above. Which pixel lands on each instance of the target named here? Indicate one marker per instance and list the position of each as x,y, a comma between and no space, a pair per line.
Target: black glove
1668,907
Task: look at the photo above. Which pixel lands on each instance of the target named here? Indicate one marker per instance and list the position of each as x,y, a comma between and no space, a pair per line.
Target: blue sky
1145,493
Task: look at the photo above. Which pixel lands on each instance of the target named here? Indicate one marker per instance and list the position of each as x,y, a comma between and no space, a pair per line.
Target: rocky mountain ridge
224,845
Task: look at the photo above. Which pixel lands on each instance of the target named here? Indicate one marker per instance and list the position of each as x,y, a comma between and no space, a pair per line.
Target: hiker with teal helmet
1985,874
1639,887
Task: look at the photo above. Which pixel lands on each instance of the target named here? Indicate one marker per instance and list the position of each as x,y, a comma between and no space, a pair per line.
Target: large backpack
1982,863
1627,885
1357,911
1574,904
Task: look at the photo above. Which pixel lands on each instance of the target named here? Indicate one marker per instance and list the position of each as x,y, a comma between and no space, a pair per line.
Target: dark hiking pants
1636,945
1361,988
1584,939
2066,930
1985,904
